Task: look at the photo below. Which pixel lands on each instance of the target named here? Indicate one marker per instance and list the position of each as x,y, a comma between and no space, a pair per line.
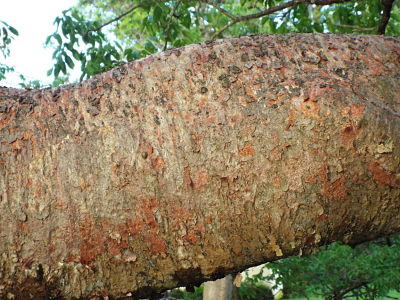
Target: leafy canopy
7,34
367,271
100,34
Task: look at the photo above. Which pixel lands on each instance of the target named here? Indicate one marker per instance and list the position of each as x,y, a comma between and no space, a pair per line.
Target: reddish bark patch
309,108
179,213
381,176
186,177
132,227
191,238
291,118
148,207
322,218
336,190
114,247
200,179
156,244
158,163
93,240
247,151
209,219
349,134
357,110
276,181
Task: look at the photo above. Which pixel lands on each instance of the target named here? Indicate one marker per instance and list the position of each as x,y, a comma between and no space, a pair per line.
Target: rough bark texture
198,162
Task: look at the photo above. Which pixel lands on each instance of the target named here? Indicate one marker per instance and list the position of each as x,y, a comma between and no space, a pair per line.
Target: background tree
367,271
7,34
118,31
163,24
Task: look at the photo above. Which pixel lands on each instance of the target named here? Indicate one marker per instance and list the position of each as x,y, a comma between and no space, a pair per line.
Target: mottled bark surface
198,162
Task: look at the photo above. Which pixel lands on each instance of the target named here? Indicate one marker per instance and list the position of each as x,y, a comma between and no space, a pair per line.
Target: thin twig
221,9
387,8
115,19
258,15
131,9
358,28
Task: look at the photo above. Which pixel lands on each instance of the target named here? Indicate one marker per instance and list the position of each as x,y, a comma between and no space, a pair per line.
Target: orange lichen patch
23,227
271,102
179,213
92,240
200,179
276,181
59,204
349,134
148,208
275,153
291,118
191,238
200,228
17,144
357,110
374,67
247,151
203,101
336,190
27,135
114,247
250,93
28,182
156,244
309,108
322,218
208,219
381,176
235,195
158,163
131,227
353,111
242,100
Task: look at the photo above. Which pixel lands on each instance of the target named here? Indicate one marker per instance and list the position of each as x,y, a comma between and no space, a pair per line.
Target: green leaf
13,30
69,61
58,38
157,13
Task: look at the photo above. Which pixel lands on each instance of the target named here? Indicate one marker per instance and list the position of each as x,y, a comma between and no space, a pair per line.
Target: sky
34,21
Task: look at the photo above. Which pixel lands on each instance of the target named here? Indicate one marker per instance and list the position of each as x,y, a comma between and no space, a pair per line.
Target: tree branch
274,9
358,28
222,10
115,19
387,8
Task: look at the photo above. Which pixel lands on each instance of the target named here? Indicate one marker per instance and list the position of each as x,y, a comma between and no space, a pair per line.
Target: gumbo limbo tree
198,162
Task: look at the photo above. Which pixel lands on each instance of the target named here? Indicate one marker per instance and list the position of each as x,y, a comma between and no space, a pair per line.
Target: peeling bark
198,162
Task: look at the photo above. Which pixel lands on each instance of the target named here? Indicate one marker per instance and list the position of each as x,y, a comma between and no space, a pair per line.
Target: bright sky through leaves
34,22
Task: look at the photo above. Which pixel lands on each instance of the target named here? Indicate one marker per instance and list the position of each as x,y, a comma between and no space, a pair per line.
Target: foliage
7,34
253,289
101,34
183,294
250,289
367,271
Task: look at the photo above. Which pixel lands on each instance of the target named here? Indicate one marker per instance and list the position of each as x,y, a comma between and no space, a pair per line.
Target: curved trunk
198,162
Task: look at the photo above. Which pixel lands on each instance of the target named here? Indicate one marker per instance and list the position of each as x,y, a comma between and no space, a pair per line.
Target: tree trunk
198,162
221,289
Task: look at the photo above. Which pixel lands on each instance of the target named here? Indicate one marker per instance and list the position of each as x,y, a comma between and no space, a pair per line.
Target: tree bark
198,162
